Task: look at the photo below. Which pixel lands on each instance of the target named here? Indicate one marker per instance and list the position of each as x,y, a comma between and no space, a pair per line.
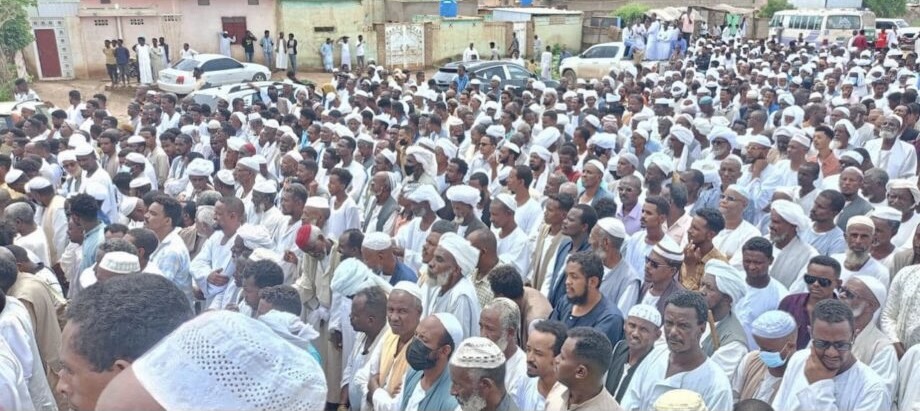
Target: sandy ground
118,98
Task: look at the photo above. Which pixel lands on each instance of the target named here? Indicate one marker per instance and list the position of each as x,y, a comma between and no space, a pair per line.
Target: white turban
425,158
728,279
792,213
289,327
127,205
905,184
878,289
547,137
541,152
183,372
352,276
255,236
463,252
449,148
200,167
427,193
669,249
660,160
464,194
682,134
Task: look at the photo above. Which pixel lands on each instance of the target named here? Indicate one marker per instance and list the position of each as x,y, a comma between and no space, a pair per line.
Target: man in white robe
908,396
513,244
143,61
19,337
900,318
897,157
787,222
857,260
411,237
212,268
368,318
500,322
737,231
450,285
652,43
865,296
682,362
822,377
724,340
763,292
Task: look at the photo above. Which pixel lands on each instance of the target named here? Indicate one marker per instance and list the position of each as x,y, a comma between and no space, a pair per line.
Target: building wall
406,10
177,21
314,21
449,37
562,30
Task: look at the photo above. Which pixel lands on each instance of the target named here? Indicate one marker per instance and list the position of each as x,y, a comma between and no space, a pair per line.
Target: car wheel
569,75
258,77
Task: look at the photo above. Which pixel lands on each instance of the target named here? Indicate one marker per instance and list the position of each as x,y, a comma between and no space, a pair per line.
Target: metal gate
405,45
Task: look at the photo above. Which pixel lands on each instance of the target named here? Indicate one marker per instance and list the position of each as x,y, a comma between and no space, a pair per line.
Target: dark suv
512,74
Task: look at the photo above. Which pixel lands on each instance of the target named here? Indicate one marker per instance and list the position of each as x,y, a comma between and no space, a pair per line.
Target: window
100,22
843,22
518,73
105,1
253,2
486,74
606,52
324,29
204,2
136,22
220,64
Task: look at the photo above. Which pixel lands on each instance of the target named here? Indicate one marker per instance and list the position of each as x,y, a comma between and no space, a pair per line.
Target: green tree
774,6
887,8
15,34
630,12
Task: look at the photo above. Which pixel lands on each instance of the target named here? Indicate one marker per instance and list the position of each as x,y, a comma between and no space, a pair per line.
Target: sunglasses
838,345
823,282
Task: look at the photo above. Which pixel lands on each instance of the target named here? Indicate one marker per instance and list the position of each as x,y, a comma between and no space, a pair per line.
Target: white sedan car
595,62
216,70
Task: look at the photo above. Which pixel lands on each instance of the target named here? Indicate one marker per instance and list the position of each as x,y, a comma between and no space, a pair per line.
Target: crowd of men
687,234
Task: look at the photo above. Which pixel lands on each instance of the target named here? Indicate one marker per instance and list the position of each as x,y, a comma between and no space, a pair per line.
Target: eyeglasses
849,294
729,198
823,282
653,263
838,345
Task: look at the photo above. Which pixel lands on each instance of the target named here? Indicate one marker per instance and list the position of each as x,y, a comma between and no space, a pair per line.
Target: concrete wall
178,21
449,37
607,6
345,17
562,30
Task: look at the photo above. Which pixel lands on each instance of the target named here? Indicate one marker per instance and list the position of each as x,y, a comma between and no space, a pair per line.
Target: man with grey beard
500,322
449,288
898,158
856,260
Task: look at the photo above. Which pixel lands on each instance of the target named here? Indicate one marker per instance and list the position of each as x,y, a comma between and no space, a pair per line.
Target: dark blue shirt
605,317
403,273
557,289
462,82
122,55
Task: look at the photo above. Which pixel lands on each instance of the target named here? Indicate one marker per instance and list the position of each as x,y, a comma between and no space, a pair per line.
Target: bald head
7,255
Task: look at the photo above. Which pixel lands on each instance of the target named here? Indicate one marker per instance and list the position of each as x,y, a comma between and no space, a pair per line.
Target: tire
258,77
569,75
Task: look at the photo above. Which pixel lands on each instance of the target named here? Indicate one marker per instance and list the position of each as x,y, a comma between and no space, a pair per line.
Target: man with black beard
456,169
584,305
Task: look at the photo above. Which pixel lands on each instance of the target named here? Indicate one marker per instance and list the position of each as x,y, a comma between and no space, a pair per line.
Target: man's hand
372,386
816,371
290,257
336,338
218,279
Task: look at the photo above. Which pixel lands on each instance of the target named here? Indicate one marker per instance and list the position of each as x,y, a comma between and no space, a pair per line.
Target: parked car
10,111
217,70
595,62
245,91
511,74
907,35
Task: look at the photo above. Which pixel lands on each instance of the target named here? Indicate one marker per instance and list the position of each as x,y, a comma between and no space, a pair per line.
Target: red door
235,26
48,53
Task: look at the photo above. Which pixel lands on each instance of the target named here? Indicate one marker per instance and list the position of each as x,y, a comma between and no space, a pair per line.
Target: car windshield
445,74
901,23
186,64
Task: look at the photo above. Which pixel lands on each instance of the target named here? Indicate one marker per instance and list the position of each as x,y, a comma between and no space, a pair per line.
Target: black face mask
410,170
419,356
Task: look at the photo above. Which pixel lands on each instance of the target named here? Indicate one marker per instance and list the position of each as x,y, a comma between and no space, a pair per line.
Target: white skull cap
222,360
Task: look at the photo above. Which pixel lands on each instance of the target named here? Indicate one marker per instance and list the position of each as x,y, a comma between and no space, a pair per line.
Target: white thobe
213,256
284,241
635,249
36,243
357,371
341,219
515,249
143,64
757,301
900,319
650,382
858,388
461,301
905,236
881,357
411,238
14,392
18,333
899,162
728,355
730,241
789,261
271,219
529,216
908,395
516,374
